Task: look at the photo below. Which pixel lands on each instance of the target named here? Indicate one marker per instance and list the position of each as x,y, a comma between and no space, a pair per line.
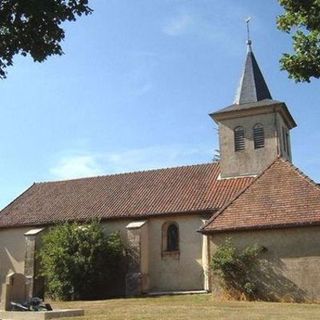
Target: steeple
253,87
254,130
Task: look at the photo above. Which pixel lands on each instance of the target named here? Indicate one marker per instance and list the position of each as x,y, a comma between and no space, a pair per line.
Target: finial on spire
248,34
253,87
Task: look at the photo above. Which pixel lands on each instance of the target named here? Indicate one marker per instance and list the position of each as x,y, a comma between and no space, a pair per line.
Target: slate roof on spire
253,95
253,87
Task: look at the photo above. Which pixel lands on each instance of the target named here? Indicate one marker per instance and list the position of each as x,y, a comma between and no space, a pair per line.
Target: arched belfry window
170,237
238,138
258,136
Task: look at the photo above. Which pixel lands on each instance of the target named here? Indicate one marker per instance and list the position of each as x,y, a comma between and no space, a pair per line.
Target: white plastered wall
183,272
166,273
12,252
293,255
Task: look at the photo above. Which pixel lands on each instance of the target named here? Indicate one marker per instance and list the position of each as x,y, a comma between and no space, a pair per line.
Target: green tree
236,268
79,262
34,27
301,18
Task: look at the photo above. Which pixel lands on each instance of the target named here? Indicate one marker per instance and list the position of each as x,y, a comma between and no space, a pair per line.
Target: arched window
238,138
258,136
172,237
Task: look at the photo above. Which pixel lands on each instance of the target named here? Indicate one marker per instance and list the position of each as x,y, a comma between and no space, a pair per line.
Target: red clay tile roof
281,196
139,194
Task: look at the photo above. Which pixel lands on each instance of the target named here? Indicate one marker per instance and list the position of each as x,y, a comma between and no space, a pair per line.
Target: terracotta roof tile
281,196
139,194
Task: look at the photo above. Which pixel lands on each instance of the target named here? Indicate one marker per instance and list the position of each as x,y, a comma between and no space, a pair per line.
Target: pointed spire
253,87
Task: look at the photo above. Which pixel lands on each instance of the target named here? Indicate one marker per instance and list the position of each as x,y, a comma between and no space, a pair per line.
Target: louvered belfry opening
239,139
258,136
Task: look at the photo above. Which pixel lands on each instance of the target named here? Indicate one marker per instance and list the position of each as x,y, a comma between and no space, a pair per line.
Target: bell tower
255,129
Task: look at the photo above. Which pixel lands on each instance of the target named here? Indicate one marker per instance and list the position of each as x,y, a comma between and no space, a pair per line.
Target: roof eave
206,211
259,109
261,227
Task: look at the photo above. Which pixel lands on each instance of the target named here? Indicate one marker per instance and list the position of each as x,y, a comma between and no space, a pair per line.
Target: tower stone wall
251,161
254,131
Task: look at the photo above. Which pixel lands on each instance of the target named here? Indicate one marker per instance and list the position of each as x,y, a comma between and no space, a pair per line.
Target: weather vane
248,33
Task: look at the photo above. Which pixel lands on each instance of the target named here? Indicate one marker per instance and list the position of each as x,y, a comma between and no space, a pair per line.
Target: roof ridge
239,194
301,173
19,196
128,173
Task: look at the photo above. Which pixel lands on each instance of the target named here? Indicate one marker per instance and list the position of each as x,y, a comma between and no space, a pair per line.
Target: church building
175,218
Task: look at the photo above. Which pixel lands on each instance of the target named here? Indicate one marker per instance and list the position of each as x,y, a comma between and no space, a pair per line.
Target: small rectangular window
239,139
258,136
284,139
288,143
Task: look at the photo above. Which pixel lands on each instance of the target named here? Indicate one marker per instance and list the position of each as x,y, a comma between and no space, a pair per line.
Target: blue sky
134,89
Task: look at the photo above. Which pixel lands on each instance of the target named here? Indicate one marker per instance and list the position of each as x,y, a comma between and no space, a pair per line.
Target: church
174,219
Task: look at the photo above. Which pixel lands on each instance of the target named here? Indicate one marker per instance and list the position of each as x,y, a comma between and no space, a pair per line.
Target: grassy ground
199,307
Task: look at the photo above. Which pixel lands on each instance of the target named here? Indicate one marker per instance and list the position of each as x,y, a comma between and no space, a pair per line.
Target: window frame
166,250
238,137
172,237
284,139
258,136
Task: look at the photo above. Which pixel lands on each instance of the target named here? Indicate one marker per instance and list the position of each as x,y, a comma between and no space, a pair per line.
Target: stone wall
290,269
169,272
162,271
177,271
12,252
250,161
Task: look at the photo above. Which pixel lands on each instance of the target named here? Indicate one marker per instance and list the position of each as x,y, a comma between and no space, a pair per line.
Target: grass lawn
195,307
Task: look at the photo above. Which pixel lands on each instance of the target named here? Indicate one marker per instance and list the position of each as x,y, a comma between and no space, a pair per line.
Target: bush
79,262
237,268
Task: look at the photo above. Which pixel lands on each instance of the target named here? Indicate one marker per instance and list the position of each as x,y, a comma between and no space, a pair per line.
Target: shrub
237,268
78,261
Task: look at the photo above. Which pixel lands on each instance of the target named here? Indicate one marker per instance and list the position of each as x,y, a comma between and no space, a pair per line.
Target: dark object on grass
35,304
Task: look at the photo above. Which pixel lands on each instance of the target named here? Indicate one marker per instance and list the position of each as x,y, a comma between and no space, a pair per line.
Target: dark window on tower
258,136
238,138
288,143
172,237
284,138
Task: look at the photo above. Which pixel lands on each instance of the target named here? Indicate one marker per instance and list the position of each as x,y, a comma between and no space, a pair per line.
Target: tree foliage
236,268
301,18
79,261
34,27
